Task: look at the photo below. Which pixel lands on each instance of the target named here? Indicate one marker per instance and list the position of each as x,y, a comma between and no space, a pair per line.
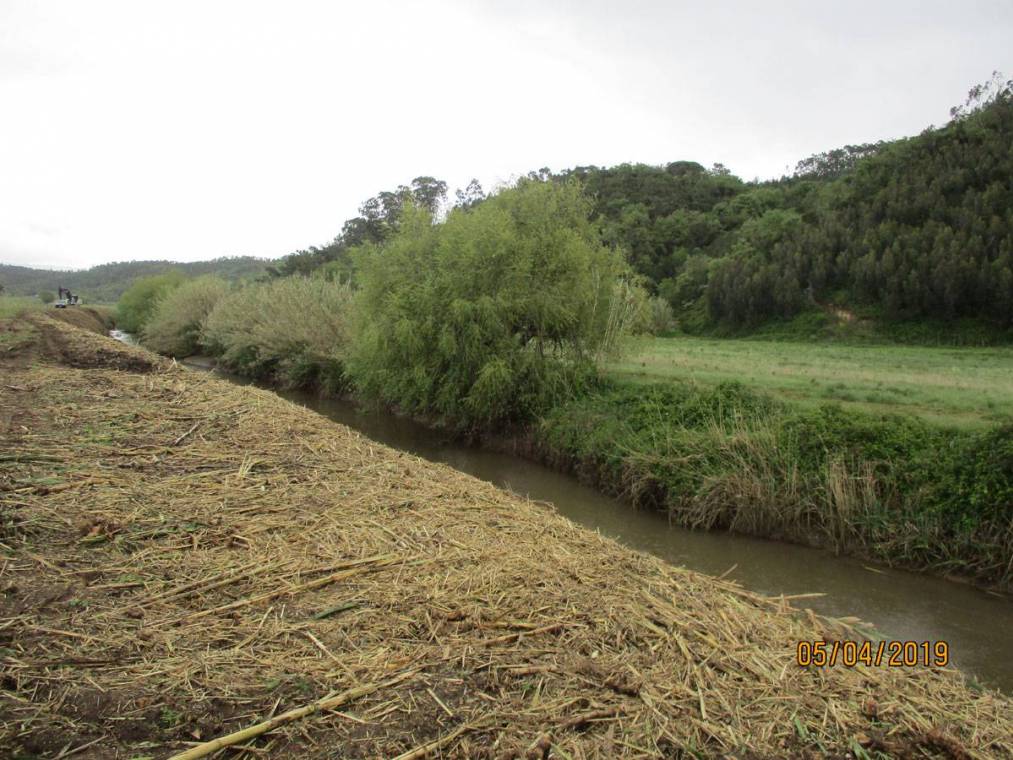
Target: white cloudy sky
189,130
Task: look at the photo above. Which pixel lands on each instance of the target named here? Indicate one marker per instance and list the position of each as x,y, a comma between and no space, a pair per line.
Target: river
901,605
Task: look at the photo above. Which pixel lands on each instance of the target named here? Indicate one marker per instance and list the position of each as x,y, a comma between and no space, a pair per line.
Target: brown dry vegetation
183,558
94,319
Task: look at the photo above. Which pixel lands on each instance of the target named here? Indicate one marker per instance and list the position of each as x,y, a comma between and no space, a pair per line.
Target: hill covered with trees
107,282
921,229
918,228
914,230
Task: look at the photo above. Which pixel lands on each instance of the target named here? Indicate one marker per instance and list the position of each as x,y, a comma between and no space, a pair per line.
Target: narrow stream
902,605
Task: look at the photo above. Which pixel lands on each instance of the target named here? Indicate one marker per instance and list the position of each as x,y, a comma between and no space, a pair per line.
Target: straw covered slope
184,558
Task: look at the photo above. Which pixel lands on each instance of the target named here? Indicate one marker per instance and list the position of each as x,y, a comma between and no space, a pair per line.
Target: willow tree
493,315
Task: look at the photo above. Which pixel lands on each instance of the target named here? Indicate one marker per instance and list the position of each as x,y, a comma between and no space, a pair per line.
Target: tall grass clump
887,486
295,330
493,316
660,317
174,327
138,302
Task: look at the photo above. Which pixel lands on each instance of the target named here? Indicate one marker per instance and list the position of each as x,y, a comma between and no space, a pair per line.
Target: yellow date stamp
893,654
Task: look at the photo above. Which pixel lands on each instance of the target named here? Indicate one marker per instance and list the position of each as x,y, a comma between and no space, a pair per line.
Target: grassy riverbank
184,558
890,487
910,464
903,454
12,306
498,321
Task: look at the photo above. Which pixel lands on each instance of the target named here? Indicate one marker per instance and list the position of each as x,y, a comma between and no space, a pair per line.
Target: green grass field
953,387
12,306
13,337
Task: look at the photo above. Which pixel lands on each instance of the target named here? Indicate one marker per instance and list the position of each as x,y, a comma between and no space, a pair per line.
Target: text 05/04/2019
894,654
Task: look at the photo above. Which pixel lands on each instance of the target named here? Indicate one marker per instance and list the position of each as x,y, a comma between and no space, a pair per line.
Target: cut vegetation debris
190,565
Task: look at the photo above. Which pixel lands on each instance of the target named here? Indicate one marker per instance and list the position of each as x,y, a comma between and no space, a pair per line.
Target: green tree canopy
493,314
137,303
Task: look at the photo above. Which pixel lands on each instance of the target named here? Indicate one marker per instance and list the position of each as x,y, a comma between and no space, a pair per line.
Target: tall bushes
137,303
294,328
890,487
492,316
175,324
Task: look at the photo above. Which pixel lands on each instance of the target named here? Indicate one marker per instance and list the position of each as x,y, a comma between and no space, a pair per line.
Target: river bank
896,603
897,489
185,557
889,488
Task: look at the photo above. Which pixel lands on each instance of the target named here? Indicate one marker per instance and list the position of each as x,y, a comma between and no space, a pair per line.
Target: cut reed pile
92,318
184,559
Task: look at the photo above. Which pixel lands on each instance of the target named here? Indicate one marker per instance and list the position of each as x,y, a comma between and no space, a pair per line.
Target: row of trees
485,317
494,308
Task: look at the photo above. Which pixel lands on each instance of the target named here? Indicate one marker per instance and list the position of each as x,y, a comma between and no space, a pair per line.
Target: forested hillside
919,229
923,228
913,229
106,282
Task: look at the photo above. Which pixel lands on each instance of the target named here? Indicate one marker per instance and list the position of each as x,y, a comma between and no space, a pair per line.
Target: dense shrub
660,317
294,328
887,486
174,327
970,494
138,302
494,315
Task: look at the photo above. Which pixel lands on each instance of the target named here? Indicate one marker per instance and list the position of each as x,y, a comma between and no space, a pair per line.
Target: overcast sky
190,130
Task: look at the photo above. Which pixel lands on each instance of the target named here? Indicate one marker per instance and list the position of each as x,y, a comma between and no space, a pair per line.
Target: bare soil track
182,559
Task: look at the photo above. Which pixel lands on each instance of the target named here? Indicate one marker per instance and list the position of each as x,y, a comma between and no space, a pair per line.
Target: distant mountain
105,282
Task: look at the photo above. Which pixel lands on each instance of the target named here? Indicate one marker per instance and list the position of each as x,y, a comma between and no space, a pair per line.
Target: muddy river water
977,624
